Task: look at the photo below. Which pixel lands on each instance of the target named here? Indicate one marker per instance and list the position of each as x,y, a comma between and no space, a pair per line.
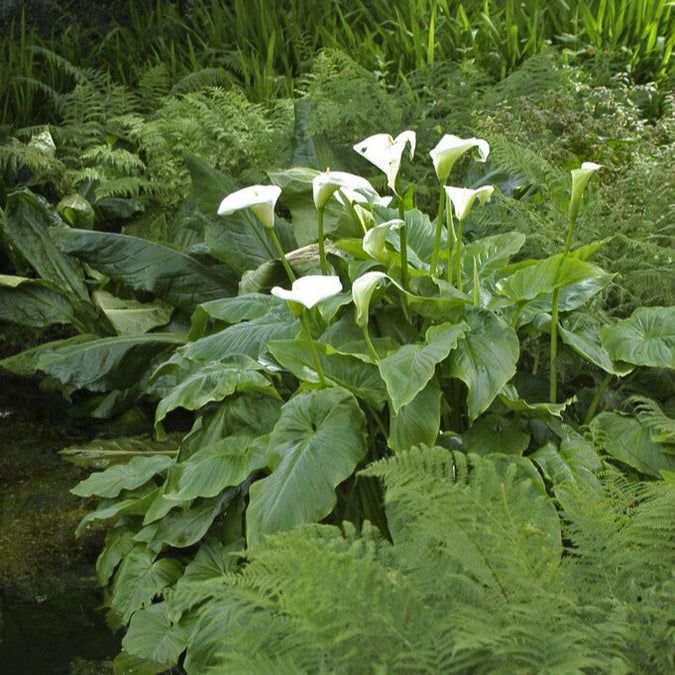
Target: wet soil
49,621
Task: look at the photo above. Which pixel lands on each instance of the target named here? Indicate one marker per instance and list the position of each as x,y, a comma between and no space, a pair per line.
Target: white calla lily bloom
386,152
580,178
362,291
328,182
374,240
310,290
261,199
450,148
463,198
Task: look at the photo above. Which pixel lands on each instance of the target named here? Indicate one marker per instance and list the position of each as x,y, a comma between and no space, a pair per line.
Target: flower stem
452,238
369,342
596,399
437,237
322,246
553,384
403,238
282,256
568,243
460,227
312,348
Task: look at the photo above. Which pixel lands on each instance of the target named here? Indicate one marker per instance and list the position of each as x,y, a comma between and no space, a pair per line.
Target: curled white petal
463,198
386,152
310,290
580,178
326,183
450,148
373,240
362,291
261,199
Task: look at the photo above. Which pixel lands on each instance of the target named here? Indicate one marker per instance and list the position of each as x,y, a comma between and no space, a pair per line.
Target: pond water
49,621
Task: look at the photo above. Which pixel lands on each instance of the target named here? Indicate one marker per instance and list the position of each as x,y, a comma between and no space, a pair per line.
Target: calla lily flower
344,194
386,152
374,239
580,178
463,198
326,183
261,199
450,148
362,291
310,290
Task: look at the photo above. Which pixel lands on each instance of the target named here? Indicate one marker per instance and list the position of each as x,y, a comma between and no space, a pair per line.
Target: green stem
322,247
378,421
596,399
452,238
553,384
282,256
437,237
312,347
568,243
403,239
476,284
460,227
369,342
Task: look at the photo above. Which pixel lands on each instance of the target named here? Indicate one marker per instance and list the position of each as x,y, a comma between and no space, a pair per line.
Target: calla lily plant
386,153
447,151
304,294
261,199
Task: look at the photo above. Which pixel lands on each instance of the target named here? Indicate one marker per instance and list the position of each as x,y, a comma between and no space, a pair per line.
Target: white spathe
362,291
261,199
374,240
327,182
386,152
450,148
580,178
310,290
463,198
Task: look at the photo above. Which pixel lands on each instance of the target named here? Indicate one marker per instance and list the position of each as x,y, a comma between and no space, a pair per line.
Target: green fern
476,580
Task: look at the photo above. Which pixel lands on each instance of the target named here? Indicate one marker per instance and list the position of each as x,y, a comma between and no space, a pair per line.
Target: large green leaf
129,476
118,544
184,527
153,635
485,358
225,463
102,452
417,422
28,224
574,463
213,382
140,579
173,276
647,338
244,414
131,317
362,379
407,370
582,334
625,438
95,364
239,240
491,253
546,275
134,503
235,310
36,303
315,445
495,433
248,337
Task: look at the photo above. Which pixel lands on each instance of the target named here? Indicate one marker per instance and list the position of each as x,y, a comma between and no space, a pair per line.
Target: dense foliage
470,388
